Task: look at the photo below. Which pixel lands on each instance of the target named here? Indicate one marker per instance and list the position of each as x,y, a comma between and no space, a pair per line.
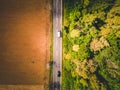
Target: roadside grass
51,47
63,19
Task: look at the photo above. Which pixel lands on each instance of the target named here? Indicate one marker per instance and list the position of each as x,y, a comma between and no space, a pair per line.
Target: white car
59,34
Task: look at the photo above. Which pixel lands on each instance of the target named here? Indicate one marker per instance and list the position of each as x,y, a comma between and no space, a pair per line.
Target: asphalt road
57,44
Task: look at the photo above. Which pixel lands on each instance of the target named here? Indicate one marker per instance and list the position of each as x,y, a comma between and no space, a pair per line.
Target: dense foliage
91,45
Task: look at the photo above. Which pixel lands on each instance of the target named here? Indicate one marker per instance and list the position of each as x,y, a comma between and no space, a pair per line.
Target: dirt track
24,41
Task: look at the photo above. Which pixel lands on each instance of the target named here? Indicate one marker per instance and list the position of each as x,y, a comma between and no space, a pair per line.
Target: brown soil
24,42
22,87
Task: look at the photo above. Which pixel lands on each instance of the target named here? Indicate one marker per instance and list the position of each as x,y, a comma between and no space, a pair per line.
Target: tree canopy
91,45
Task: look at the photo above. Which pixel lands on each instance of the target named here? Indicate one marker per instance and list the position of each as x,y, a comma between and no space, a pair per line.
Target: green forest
91,45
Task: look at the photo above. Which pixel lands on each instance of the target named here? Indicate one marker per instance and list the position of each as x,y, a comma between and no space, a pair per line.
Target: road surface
57,44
